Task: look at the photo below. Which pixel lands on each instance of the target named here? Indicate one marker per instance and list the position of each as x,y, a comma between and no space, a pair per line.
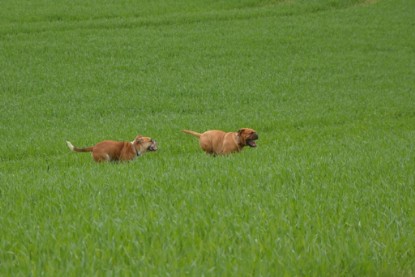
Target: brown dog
217,142
109,150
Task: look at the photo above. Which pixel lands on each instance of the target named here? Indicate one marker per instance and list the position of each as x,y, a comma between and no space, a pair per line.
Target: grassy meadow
328,85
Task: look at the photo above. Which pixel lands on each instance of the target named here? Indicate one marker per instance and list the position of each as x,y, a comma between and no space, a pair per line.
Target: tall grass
328,85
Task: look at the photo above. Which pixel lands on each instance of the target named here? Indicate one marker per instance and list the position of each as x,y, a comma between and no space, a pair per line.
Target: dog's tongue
252,143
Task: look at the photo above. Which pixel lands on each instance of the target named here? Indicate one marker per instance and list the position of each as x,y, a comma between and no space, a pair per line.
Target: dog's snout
153,146
255,136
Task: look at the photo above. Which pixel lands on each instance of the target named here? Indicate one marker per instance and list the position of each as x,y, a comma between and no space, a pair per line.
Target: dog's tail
76,149
193,133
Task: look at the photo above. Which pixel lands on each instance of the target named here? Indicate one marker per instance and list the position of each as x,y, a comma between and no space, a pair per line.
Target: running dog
216,142
109,150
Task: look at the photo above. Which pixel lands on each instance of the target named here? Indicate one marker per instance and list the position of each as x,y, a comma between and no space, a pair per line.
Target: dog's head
248,137
143,144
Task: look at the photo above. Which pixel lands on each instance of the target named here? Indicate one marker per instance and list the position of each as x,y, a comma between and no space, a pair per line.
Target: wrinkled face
248,136
145,143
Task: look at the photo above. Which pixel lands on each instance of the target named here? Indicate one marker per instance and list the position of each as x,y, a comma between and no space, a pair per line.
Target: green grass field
328,85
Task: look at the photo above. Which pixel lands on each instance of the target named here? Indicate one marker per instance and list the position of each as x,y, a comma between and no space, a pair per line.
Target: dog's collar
238,141
137,153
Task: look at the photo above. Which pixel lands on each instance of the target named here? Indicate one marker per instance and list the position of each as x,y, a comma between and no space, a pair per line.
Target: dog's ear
139,139
240,131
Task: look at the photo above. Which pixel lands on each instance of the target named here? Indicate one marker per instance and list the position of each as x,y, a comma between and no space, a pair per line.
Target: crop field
328,85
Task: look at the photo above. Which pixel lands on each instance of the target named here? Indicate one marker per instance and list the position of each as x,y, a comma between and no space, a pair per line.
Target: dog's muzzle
153,146
251,141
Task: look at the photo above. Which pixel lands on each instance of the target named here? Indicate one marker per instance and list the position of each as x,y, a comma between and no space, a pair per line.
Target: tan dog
109,150
217,142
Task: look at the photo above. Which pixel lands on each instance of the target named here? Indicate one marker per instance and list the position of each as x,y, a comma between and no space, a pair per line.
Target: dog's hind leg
101,157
